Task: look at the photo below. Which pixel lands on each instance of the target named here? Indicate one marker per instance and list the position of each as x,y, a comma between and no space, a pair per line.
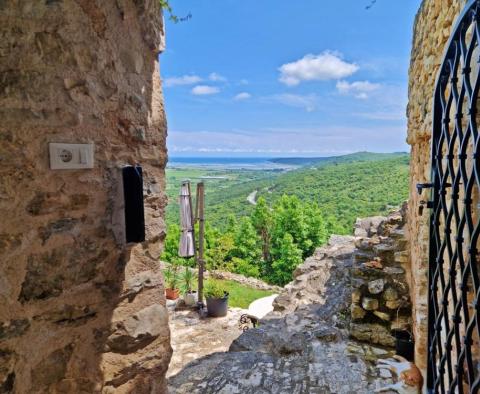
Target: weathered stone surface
357,312
433,25
7,374
376,286
370,304
74,315
390,294
372,333
49,274
379,282
14,328
291,354
323,279
51,369
356,295
139,330
393,304
79,72
382,315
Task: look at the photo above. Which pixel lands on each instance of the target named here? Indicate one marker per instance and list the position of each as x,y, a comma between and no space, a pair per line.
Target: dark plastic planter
404,344
217,307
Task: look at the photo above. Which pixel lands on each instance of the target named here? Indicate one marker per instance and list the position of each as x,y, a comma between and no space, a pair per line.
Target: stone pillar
80,312
433,25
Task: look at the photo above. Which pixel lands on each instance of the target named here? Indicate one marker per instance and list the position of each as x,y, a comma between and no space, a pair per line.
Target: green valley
291,210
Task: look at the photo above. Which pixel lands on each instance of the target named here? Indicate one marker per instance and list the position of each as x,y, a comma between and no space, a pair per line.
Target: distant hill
353,157
359,185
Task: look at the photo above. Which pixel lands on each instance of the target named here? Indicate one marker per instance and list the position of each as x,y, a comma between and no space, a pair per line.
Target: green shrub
187,280
214,289
172,277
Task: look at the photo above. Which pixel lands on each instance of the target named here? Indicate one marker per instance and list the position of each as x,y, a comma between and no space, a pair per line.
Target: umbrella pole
201,237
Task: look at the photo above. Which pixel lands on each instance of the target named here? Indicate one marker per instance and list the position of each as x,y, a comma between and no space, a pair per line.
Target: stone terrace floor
293,354
193,338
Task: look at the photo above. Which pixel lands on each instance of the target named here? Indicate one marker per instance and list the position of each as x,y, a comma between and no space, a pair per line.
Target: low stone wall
243,280
359,283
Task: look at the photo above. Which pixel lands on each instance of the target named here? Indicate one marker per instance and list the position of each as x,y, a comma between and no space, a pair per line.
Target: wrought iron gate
454,285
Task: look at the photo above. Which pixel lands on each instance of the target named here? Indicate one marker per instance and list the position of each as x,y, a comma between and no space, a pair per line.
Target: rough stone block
357,312
376,286
139,330
370,304
382,315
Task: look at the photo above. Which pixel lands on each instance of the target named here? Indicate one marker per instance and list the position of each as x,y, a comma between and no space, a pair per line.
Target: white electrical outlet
71,156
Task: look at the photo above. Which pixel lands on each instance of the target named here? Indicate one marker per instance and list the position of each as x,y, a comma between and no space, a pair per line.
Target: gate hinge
421,186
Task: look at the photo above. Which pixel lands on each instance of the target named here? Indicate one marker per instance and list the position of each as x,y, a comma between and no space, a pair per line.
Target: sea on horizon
226,162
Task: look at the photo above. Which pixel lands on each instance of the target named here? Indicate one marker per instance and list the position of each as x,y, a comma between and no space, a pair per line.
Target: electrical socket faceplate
71,156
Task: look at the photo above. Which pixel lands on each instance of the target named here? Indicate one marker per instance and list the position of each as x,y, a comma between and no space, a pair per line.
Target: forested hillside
296,211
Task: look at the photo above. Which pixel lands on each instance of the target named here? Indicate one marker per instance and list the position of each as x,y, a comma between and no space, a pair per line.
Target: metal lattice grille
454,303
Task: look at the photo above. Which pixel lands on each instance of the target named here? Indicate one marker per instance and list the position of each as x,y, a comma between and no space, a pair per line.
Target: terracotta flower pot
172,294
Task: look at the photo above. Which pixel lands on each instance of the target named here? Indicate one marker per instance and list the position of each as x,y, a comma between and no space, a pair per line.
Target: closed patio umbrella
186,247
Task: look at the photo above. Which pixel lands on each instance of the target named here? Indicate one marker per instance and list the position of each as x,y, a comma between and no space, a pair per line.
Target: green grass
241,296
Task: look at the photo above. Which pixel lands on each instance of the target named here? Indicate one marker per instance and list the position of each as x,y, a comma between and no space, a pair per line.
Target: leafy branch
165,4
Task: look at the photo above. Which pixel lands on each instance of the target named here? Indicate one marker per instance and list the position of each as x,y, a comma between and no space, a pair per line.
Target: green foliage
241,296
287,256
214,289
246,242
296,210
219,251
165,4
245,268
187,280
172,277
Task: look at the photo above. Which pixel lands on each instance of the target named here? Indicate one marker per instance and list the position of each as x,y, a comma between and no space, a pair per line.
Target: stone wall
380,291
358,283
80,312
433,26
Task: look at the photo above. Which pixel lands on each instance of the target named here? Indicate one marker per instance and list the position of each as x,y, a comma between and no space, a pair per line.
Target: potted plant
172,291
189,295
217,299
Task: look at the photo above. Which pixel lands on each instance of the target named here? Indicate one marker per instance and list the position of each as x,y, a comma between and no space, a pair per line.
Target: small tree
262,221
287,257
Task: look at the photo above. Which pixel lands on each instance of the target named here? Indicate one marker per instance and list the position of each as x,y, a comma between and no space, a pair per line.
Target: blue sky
287,78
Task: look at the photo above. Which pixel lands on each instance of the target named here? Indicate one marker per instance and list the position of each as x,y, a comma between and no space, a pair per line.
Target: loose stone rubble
324,333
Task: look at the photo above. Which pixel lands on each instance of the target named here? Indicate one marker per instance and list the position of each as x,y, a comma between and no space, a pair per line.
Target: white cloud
393,115
359,89
217,77
203,90
325,66
183,80
308,102
320,140
242,96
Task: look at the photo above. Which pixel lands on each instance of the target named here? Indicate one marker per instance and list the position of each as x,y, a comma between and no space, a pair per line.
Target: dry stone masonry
380,292
80,312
